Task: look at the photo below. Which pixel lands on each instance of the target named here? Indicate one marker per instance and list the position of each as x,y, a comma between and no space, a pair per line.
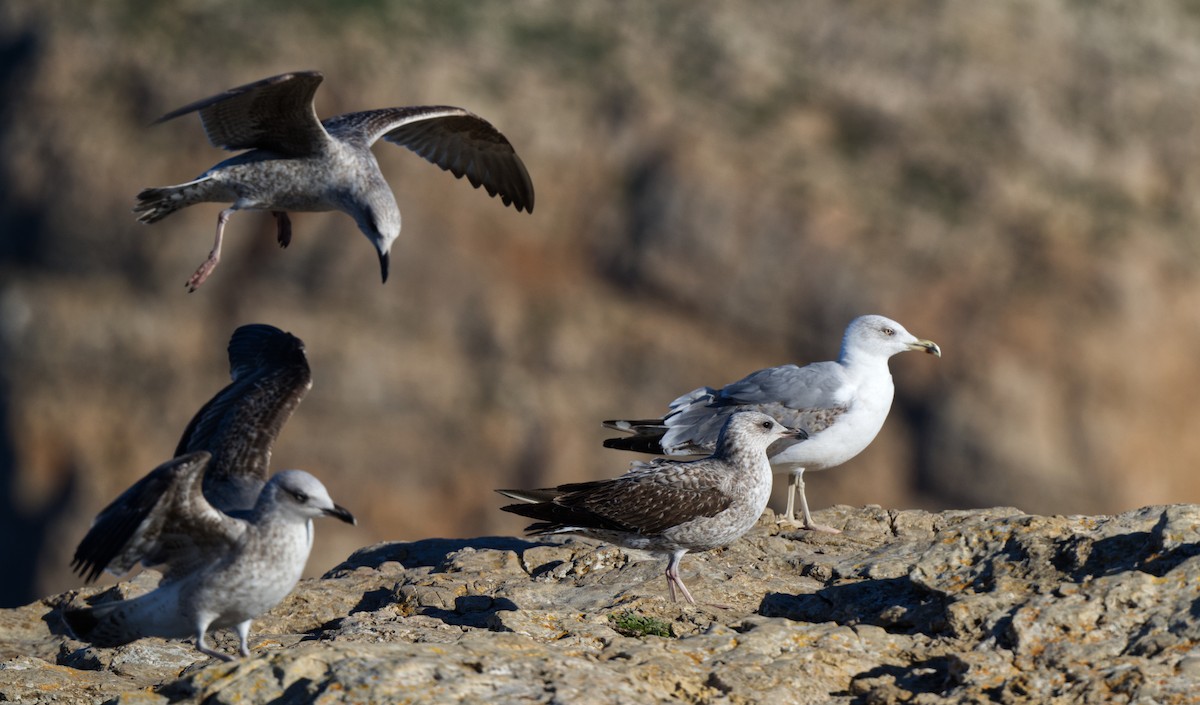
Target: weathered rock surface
904,606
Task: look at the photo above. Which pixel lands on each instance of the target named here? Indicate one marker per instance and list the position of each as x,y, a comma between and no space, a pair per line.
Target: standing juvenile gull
669,506
237,427
842,405
218,571
298,162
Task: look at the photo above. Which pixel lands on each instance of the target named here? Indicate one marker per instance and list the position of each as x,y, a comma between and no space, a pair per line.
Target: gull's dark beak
797,433
383,265
340,512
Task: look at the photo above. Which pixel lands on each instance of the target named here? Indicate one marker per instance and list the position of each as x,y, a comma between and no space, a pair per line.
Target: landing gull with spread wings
298,162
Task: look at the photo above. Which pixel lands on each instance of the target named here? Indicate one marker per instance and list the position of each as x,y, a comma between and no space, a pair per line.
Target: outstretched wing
184,532
454,139
115,526
274,114
239,425
179,530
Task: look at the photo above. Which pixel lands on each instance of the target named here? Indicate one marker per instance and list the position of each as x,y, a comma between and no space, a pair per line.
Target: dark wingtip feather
259,345
115,526
81,621
538,510
639,444
554,517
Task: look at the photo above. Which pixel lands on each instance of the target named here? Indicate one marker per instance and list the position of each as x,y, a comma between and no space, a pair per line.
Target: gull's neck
864,363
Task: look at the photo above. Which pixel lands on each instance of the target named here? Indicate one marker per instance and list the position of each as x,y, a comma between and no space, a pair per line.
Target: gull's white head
378,218
878,336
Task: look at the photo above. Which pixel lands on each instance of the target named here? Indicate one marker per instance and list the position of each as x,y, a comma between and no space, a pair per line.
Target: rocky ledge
903,606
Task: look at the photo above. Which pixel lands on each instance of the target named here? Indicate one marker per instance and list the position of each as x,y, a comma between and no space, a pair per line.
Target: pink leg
283,228
674,580
207,266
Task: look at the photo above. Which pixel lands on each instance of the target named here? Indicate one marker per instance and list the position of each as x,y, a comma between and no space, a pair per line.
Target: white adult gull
298,162
219,571
669,506
841,404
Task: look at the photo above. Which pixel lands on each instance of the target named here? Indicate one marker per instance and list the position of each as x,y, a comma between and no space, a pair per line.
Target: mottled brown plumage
669,506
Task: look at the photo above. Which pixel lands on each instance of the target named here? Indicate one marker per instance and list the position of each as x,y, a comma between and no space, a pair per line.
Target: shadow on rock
897,605
888,683
471,611
373,600
428,553
1145,551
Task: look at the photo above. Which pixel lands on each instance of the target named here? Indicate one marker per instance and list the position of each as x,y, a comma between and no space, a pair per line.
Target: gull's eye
768,425
888,332
299,496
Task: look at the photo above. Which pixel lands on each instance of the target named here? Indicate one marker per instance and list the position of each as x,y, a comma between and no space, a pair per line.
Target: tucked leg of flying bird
283,228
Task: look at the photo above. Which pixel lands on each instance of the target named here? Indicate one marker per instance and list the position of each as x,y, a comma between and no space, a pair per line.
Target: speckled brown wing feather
274,114
239,425
455,139
648,500
178,529
117,524
183,532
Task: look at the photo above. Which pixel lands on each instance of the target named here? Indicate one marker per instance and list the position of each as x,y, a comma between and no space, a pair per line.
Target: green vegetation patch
630,623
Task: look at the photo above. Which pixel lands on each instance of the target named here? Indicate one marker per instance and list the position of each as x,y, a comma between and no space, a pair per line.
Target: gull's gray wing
237,428
815,386
809,398
178,529
275,114
452,138
647,500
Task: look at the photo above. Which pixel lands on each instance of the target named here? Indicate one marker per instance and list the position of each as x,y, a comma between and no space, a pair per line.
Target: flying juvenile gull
237,427
669,506
298,162
842,405
219,571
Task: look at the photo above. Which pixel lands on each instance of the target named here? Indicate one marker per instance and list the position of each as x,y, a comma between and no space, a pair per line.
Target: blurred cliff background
720,188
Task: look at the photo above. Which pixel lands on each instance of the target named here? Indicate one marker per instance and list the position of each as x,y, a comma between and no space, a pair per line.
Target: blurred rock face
719,190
